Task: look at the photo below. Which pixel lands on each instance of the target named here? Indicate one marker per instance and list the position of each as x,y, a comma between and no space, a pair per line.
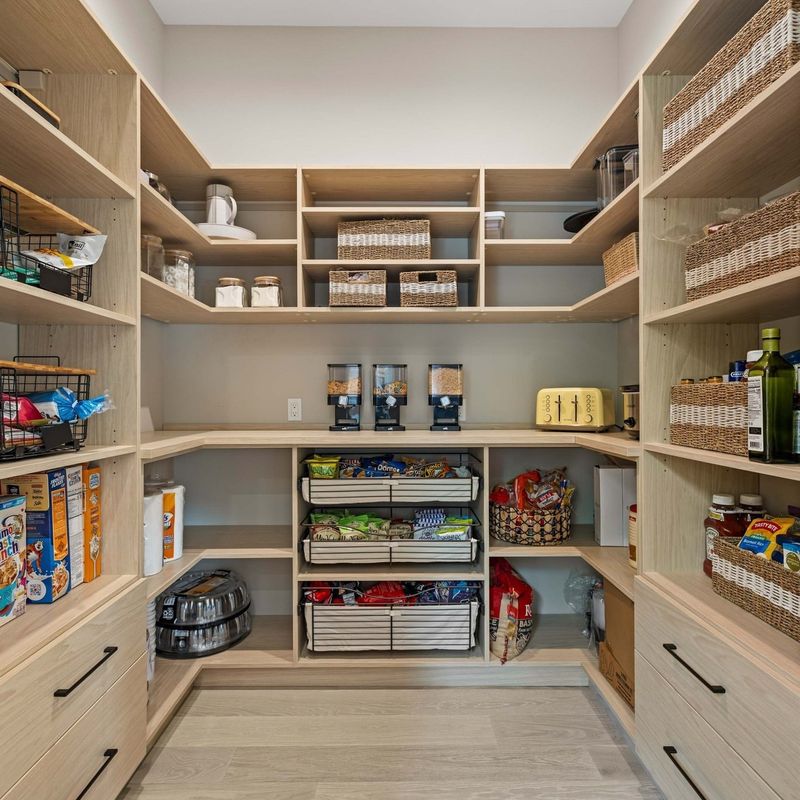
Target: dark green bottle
770,389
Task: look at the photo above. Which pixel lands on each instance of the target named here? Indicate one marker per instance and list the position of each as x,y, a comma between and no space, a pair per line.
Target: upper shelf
47,162
446,221
750,155
540,184
37,215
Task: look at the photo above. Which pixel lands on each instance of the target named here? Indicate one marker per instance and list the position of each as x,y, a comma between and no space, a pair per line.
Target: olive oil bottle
770,388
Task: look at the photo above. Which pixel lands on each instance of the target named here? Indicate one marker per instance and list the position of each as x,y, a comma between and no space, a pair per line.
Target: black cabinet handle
672,649
109,757
109,651
672,753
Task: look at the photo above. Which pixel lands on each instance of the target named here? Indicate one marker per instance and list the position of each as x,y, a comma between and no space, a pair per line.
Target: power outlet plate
295,409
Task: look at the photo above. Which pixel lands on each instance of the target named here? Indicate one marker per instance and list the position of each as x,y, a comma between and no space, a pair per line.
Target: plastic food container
267,292
231,293
445,380
344,380
630,166
152,256
610,172
390,380
495,223
179,271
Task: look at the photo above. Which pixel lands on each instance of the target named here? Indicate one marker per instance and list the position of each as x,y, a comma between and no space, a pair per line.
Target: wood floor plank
555,728
232,791
184,765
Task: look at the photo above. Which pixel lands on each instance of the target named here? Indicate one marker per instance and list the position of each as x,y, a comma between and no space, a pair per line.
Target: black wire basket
74,283
27,375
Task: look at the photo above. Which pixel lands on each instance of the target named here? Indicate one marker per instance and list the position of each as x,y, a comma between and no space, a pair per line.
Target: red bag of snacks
386,592
510,611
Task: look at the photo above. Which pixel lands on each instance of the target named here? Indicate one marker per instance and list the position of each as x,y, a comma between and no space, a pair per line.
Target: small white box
74,492
614,493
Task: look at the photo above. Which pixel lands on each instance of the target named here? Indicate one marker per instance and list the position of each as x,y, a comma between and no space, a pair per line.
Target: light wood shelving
446,221
9,469
37,215
621,710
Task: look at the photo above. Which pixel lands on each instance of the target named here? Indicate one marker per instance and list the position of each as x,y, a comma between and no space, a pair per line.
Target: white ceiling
396,13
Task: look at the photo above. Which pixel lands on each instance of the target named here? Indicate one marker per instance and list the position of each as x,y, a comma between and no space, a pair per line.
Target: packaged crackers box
12,558
75,523
47,532
92,525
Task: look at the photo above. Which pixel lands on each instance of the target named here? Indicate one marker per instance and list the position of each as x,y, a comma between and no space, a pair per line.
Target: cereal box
75,523
47,533
92,527
12,558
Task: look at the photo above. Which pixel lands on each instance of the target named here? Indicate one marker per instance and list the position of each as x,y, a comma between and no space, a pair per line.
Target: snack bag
510,611
73,252
764,537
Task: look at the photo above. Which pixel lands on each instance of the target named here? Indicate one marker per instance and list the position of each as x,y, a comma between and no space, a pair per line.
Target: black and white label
755,414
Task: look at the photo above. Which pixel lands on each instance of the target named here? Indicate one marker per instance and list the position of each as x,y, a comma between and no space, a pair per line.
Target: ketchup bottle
723,520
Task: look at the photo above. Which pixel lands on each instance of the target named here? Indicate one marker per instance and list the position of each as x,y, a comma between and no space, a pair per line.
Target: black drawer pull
672,752
109,651
109,757
672,650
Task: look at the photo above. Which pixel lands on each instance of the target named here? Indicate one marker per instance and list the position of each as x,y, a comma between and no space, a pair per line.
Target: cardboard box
614,494
92,525
616,651
47,533
615,674
12,558
75,514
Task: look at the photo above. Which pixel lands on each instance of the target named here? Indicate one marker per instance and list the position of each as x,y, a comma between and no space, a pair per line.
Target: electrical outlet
295,409
462,411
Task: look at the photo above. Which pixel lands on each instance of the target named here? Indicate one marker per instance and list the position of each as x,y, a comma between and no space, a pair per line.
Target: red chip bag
387,592
318,592
524,483
510,611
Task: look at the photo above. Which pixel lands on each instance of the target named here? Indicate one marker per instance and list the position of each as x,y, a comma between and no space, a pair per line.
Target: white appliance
614,494
221,211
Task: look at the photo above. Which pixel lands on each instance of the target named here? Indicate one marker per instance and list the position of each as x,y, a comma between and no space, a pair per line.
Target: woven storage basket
761,587
621,259
534,528
765,48
754,246
431,288
357,287
709,416
385,238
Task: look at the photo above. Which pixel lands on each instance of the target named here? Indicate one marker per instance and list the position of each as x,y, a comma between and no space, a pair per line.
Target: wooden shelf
319,268
9,469
157,445
446,221
172,682
621,710
508,184
37,215
612,564
41,158
29,305
773,297
617,444
748,156
397,572
269,645
163,219
789,472
400,658
557,638
41,623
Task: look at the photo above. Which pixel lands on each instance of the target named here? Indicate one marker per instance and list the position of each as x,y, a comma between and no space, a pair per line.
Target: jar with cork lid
231,293
267,292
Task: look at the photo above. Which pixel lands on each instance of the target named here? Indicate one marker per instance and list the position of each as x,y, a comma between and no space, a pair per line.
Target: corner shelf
9,469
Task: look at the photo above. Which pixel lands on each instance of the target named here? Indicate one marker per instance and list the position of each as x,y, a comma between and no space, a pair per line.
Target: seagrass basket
621,259
429,288
384,238
534,528
709,416
365,287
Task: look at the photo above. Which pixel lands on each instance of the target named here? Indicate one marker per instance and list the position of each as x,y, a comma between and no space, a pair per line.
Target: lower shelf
557,639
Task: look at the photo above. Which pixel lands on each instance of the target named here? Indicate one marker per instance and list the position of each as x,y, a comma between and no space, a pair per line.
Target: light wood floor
395,744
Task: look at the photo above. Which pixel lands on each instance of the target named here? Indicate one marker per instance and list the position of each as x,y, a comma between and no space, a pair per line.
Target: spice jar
152,256
722,520
231,293
267,292
179,271
153,180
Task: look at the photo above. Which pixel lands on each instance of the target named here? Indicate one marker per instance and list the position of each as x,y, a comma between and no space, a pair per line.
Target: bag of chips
510,611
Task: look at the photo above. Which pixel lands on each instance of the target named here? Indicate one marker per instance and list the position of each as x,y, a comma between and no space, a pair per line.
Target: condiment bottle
751,506
752,357
722,520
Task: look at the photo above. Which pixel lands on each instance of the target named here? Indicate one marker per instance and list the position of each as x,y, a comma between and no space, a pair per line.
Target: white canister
267,292
153,532
174,497
231,293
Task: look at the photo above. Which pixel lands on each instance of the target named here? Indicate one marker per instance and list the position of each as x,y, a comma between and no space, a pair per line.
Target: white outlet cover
462,411
295,409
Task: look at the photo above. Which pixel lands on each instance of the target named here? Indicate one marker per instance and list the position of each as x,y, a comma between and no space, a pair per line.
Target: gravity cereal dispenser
445,393
344,394
389,392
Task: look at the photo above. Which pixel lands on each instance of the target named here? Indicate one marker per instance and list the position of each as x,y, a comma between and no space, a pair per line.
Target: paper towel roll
174,497
153,533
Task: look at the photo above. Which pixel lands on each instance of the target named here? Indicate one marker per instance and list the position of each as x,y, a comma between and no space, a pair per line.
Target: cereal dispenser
344,394
445,393
389,392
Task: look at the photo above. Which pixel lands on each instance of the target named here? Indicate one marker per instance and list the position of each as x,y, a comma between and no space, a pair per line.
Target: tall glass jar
179,271
152,256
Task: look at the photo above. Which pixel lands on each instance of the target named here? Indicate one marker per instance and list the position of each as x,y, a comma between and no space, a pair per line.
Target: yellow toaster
575,409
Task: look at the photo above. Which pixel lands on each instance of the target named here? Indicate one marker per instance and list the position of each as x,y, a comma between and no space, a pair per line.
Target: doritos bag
510,612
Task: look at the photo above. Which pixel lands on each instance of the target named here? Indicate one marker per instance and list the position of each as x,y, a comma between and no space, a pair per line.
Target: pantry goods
230,293
389,393
510,611
179,271
92,523
12,557
445,394
344,394
267,292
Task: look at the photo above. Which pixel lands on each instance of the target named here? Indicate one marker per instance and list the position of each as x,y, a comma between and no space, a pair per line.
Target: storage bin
357,287
610,173
630,166
377,491
621,259
763,50
709,416
384,238
429,288
395,551
495,224
446,626
534,528
761,587
754,246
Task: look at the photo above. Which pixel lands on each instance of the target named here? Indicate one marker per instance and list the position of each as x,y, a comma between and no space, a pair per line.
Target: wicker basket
761,587
385,238
357,287
763,50
534,528
709,416
621,259
431,288
754,246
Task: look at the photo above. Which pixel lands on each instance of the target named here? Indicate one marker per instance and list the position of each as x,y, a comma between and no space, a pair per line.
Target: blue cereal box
12,558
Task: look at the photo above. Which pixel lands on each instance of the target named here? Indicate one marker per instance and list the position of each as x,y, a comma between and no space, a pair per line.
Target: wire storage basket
384,238
20,437
432,288
15,266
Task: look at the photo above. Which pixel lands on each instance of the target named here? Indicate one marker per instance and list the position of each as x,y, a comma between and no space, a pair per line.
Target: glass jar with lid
179,271
267,292
152,256
231,293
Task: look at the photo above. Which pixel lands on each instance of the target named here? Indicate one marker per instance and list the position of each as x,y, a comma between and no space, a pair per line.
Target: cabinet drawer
103,748
754,710
80,664
686,757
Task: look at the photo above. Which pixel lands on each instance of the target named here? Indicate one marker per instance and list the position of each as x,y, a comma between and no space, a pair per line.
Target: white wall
642,30
389,95
138,31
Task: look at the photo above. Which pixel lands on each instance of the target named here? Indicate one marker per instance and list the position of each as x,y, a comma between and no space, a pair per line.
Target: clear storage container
344,380
610,172
152,256
630,164
231,293
495,224
445,380
267,292
179,271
